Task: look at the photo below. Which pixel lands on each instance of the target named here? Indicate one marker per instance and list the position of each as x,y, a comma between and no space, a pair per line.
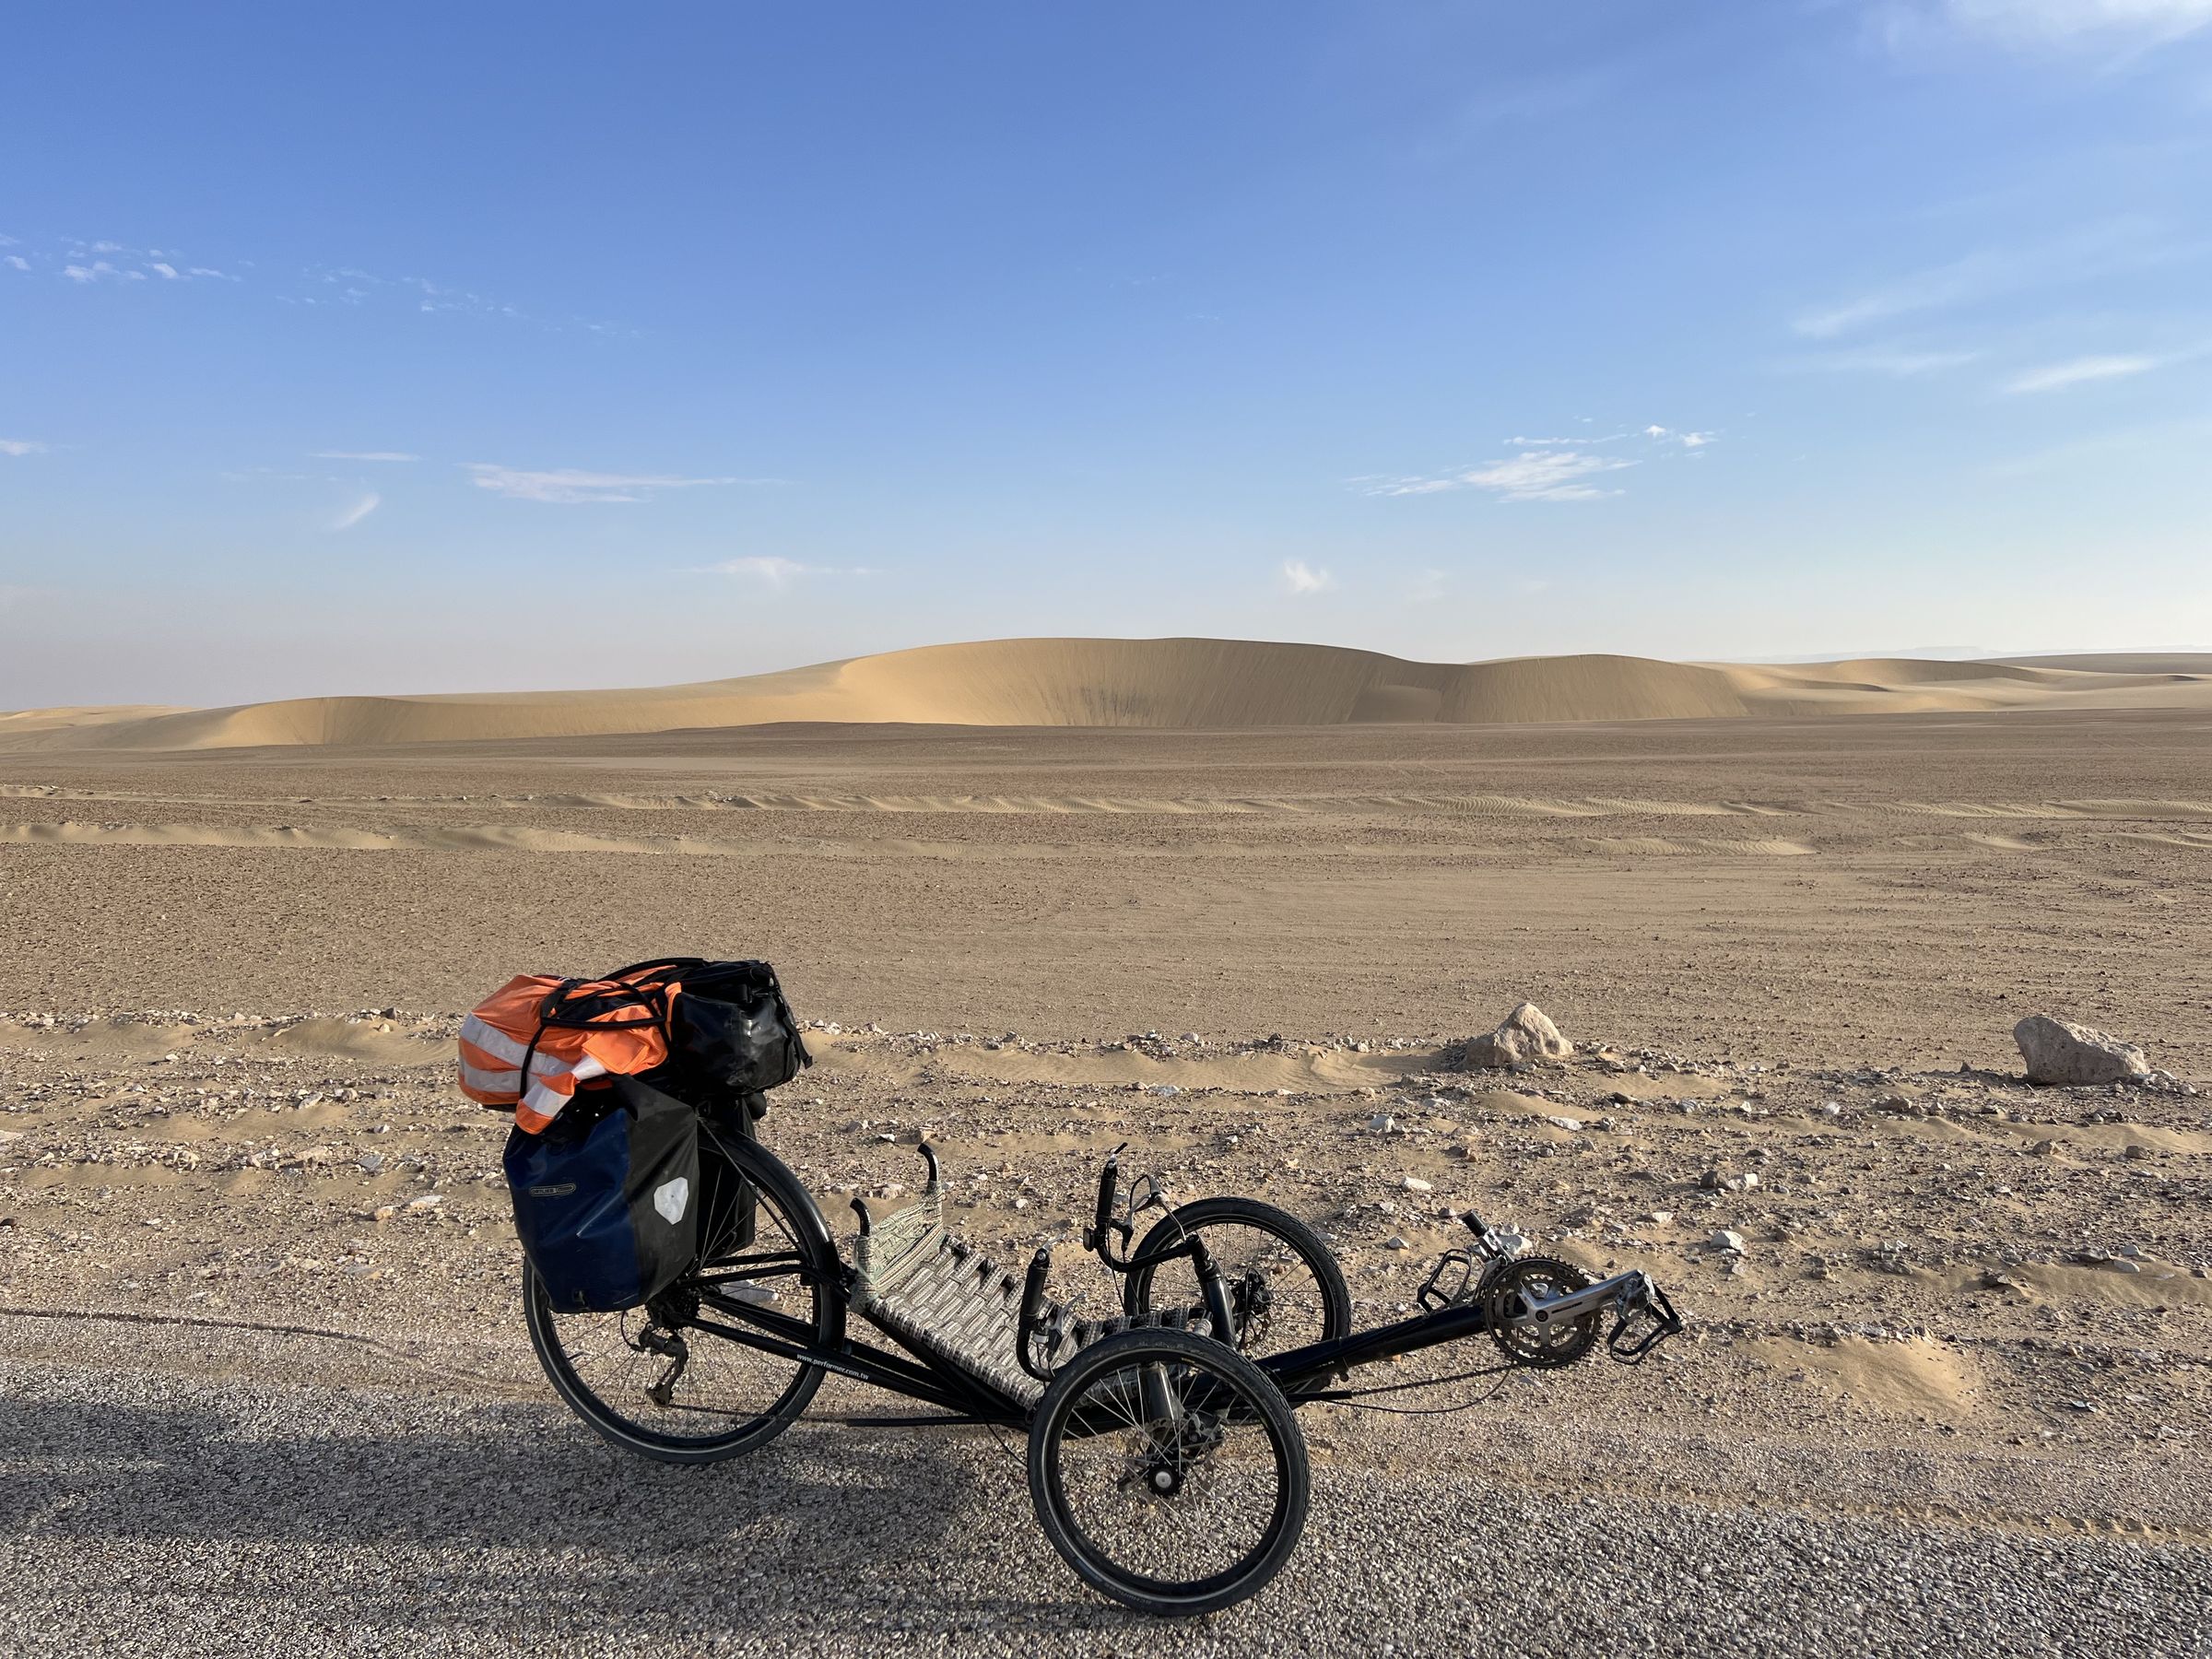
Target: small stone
1659,1216
426,1203
1382,1123
1722,1239
1395,1243
1413,1184
1573,1125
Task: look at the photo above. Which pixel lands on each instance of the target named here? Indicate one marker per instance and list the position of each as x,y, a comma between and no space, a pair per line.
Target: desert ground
262,1364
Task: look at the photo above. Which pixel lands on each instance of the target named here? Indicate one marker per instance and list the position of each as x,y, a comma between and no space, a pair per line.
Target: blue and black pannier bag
607,1205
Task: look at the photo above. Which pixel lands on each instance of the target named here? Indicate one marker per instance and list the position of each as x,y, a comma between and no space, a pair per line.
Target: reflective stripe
489,1082
544,1100
506,1079
492,1041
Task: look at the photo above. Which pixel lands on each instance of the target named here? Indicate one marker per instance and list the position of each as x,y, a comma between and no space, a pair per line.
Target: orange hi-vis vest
567,1032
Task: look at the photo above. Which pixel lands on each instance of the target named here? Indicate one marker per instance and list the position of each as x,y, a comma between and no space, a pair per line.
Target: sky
435,347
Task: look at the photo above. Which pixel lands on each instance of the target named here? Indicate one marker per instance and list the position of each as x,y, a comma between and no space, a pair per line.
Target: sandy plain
1957,1386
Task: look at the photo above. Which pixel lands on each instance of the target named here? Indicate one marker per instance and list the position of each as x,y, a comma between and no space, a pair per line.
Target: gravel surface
147,1512
1948,1377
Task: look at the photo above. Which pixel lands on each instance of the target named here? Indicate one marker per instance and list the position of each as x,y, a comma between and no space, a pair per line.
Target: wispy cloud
1546,475
2101,455
1300,578
2101,26
367,503
772,570
20,446
572,488
2099,252
2076,371
1555,473
1564,442
1895,362
361,455
15,262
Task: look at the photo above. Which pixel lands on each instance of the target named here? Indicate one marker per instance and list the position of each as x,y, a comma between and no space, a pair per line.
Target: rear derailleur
663,1336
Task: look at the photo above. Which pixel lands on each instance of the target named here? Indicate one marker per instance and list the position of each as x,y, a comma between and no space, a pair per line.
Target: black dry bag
729,1028
607,1206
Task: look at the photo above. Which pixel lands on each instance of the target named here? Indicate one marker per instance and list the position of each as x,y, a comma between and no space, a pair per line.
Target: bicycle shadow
424,1514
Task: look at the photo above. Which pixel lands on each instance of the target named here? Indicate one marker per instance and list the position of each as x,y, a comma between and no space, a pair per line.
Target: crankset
1517,1297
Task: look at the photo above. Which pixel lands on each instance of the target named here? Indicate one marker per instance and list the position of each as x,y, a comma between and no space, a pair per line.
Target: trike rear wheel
657,1381
1169,1472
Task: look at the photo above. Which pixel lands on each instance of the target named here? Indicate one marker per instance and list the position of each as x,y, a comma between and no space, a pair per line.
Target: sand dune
1188,684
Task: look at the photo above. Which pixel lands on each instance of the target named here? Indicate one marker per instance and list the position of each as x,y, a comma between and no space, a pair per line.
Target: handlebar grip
1033,1290
1109,1182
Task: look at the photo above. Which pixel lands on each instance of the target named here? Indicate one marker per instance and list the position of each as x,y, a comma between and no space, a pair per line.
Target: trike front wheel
1169,1472
1285,1288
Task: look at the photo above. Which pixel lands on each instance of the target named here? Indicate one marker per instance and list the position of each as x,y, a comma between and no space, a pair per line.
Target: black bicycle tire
1047,1430
1164,1235
769,1173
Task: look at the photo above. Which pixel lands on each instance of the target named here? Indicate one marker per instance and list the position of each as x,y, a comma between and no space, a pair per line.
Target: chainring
1506,1291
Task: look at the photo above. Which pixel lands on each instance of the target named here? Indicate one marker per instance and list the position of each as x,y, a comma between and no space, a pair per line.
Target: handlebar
1109,1182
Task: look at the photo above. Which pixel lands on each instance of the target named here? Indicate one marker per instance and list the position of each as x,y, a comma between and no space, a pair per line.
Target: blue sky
452,347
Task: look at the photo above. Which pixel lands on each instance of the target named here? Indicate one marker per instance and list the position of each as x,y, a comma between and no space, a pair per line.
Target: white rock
428,1201
1382,1123
2059,1052
1573,1125
1725,1240
1413,1184
1526,1035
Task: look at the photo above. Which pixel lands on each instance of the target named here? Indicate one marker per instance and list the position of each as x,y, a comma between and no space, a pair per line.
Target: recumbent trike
1164,1459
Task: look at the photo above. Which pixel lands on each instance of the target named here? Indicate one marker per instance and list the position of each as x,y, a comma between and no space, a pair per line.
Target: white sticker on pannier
670,1199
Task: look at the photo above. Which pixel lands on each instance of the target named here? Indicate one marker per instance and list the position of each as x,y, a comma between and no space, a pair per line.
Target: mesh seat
944,1297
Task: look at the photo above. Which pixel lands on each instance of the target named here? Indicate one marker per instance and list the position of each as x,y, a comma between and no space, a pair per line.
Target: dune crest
1175,683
